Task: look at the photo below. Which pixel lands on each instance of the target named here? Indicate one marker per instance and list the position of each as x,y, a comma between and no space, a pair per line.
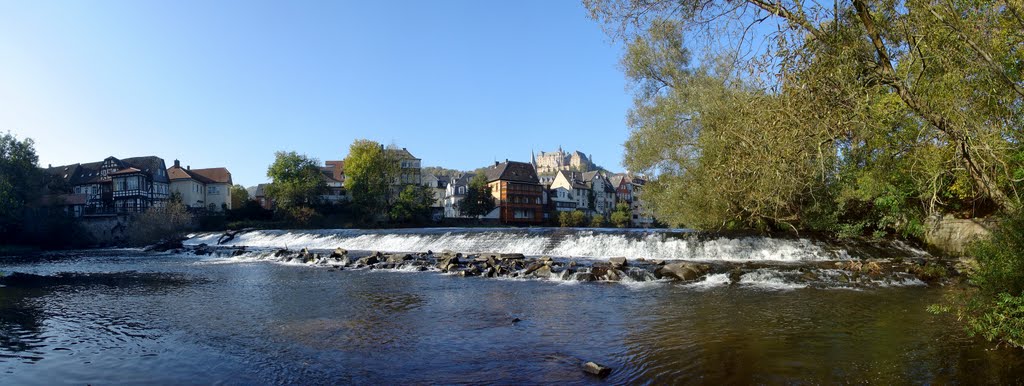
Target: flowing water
128,317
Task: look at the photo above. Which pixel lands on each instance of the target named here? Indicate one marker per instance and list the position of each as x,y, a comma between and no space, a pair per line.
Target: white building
208,189
454,193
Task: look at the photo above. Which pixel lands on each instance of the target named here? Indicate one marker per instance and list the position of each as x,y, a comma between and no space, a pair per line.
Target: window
211,190
132,183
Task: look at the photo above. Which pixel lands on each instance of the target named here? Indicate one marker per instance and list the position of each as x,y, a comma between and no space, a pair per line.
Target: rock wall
106,230
950,235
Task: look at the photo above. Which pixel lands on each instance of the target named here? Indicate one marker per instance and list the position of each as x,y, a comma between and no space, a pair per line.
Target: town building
641,215
261,197
112,186
409,167
334,178
576,188
518,194
438,185
562,200
604,193
455,193
205,189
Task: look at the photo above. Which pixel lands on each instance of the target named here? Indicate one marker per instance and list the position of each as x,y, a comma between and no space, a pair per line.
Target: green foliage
478,201
239,196
1001,259
994,305
596,221
413,205
370,172
440,171
622,215
821,129
19,181
1004,320
575,218
297,180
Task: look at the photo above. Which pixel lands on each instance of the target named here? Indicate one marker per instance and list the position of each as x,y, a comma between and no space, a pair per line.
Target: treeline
375,195
24,221
854,117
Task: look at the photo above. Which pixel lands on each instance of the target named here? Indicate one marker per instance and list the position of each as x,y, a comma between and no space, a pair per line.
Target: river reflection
115,317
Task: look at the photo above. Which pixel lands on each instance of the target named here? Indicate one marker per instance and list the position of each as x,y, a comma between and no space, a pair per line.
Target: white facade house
453,195
208,189
577,189
604,193
562,199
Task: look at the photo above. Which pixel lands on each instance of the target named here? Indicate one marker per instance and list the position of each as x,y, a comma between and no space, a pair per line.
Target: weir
676,244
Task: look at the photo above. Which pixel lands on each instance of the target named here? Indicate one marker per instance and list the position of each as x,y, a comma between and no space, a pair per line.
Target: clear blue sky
228,83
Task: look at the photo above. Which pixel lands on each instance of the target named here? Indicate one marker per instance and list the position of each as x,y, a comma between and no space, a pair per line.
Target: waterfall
559,242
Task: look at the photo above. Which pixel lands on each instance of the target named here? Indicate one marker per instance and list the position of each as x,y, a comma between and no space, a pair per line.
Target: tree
575,218
878,113
20,180
239,196
413,204
370,172
478,201
622,215
297,181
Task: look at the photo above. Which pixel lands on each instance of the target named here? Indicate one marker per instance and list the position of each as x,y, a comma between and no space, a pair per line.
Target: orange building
518,194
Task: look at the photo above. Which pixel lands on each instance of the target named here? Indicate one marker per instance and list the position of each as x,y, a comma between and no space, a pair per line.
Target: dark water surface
121,317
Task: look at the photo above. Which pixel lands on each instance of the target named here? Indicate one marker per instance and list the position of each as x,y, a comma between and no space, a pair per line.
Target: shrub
157,224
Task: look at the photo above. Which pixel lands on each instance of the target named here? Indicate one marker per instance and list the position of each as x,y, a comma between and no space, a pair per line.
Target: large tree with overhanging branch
847,115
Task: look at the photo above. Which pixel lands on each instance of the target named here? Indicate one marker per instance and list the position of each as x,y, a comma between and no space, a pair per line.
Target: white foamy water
581,243
710,281
769,279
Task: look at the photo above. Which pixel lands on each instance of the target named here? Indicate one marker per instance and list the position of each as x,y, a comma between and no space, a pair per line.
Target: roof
206,176
574,178
261,190
463,179
328,175
617,180
85,173
125,171
215,175
512,171
402,153
148,164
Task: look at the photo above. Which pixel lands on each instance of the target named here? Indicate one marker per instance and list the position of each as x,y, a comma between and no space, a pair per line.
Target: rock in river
683,271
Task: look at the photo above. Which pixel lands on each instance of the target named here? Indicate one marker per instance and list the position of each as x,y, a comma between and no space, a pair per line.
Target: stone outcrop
951,235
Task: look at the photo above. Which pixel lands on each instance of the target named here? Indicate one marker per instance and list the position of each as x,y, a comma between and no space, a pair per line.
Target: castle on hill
548,163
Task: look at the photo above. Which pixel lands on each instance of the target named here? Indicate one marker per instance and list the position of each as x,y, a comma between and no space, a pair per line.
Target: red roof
126,171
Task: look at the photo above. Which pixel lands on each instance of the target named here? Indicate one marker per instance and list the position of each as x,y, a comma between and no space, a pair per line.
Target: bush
575,218
157,224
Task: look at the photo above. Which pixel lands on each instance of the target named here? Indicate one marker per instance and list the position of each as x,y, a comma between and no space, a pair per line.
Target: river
122,316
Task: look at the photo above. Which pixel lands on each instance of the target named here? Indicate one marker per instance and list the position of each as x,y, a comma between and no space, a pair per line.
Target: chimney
188,167
49,166
496,163
177,164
